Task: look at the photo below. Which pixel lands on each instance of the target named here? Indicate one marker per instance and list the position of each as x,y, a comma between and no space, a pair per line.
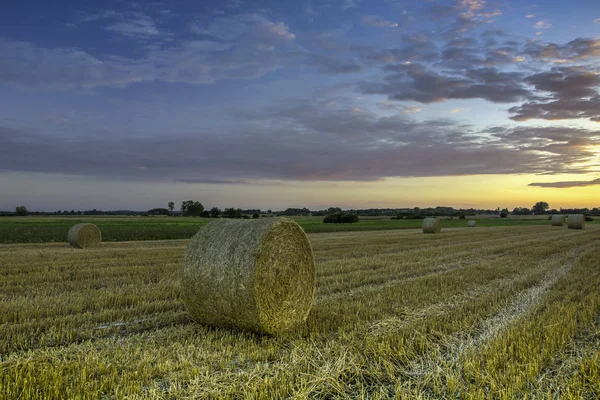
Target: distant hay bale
471,224
576,221
558,220
431,225
84,235
250,274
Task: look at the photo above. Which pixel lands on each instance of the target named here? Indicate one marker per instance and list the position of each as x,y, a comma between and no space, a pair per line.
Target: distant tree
171,207
158,211
521,211
191,207
255,216
21,211
205,214
540,207
215,212
504,213
462,216
332,210
232,213
340,218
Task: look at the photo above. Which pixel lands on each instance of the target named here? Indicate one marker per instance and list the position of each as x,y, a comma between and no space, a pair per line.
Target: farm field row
118,229
499,312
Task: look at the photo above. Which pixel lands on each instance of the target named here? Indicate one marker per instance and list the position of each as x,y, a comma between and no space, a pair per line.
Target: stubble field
495,312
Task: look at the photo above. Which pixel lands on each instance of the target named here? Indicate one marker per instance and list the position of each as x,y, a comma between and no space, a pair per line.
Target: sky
276,104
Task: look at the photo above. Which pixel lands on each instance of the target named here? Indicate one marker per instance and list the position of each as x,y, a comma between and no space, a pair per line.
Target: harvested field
493,312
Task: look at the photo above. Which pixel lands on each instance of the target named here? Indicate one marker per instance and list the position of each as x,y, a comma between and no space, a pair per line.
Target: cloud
412,109
65,68
241,47
465,15
294,140
529,16
575,51
245,27
542,25
347,4
332,65
597,21
378,22
140,25
566,184
573,93
212,181
416,82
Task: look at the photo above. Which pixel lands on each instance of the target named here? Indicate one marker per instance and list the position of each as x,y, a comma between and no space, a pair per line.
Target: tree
171,207
158,211
191,207
232,213
215,212
21,211
520,211
540,207
340,218
255,216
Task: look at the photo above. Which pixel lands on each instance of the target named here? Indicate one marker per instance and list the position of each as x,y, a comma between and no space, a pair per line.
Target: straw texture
82,236
257,275
431,225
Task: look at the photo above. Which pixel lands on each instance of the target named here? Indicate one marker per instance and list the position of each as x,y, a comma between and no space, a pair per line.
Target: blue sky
308,103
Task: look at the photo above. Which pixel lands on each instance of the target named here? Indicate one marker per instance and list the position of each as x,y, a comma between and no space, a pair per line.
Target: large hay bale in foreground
84,235
558,220
431,225
250,274
576,221
471,224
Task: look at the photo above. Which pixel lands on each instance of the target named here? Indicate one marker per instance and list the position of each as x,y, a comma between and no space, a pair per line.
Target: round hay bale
471,224
431,225
558,220
84,235
250,274
576,221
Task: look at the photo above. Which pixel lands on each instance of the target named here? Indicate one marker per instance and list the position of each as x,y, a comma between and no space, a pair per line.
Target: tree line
194,208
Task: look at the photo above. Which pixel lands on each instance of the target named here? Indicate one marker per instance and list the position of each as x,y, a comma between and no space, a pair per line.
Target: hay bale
431,225
250,274
576,221
557,220
471,224
84,235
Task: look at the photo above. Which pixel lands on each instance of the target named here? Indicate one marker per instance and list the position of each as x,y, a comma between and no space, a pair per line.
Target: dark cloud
461,53
315,139
566,184
416,82
580,49
572,93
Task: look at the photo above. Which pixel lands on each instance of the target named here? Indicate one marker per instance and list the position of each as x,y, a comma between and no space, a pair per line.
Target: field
119,229
496,312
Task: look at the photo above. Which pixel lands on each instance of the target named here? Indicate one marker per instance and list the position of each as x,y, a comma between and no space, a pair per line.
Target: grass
500,312
118,229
